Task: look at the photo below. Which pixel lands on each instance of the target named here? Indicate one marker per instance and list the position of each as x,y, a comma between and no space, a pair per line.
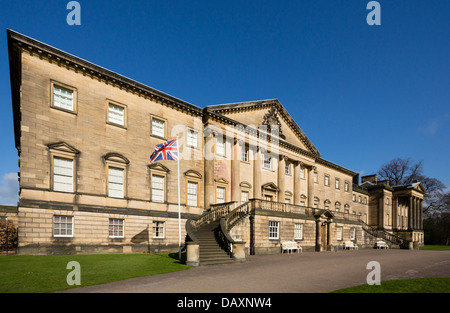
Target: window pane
302,172
62,98
62,174
192,138
287,168
115,182
157,127
298,231
116,114
157,188
192,193
244,154
267,162
244,196
220,147
220,194
116,227
62,225
158,229
273,230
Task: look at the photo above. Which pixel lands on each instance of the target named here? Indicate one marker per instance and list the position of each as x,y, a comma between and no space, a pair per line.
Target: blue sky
362,94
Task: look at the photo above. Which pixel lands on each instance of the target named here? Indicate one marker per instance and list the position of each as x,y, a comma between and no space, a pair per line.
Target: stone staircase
391,239
211,252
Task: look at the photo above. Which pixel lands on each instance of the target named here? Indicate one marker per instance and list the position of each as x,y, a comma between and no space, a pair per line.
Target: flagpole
179,209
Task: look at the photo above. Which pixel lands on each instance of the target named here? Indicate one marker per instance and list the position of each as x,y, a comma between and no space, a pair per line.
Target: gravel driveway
308,272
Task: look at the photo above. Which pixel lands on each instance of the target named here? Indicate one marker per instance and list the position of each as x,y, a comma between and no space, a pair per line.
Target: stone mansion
248,173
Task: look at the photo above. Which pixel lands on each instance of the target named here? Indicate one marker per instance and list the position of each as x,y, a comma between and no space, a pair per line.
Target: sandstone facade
84,136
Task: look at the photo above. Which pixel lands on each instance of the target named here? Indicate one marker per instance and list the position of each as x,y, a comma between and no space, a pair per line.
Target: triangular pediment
268,116
324,213
63,147
270,186
419,187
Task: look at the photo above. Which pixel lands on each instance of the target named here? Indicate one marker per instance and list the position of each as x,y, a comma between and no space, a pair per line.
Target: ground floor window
352,233
62,226
116,228
338,233
298,231
158,229
274,230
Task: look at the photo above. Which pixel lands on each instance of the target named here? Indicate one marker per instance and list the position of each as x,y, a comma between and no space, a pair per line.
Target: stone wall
91,233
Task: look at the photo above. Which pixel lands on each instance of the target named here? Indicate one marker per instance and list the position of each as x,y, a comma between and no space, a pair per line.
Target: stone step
210,251
216,262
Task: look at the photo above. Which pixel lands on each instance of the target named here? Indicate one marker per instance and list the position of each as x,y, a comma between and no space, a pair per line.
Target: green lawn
48,273
418,285
434,247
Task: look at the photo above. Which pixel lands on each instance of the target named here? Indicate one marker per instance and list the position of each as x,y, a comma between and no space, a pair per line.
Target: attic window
63,97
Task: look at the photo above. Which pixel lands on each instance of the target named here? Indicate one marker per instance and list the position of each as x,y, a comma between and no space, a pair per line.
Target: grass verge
48,273
416,285
434,247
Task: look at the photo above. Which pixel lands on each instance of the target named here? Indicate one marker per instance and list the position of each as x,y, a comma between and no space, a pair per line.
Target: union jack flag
165,151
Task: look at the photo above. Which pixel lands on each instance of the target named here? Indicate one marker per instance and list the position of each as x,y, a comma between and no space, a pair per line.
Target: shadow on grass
175,256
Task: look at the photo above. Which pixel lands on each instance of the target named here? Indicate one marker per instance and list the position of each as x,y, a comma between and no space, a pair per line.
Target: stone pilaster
421,213
311,186
297,168
281,177
256,173
410,213
235,171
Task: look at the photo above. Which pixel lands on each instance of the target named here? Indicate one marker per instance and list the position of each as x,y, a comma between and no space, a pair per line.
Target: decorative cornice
71,62
272,104
335,166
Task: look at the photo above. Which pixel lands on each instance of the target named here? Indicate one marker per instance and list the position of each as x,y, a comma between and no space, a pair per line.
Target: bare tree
400,171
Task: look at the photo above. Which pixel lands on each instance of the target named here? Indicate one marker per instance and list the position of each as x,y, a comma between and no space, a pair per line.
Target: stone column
209,169
395,219
311,186
421,214
416,213
329,234
410,213
281,177
235,171
256,173
381,212
318,244
297,168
